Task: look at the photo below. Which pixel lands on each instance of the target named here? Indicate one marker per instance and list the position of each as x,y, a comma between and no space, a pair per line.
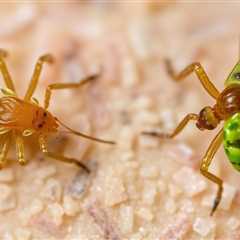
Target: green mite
226,108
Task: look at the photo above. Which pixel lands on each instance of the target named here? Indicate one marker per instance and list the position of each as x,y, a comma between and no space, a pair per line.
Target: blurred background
143,188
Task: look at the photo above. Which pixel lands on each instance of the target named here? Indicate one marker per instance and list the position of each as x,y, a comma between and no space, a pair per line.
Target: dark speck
237,75
40,125
44,114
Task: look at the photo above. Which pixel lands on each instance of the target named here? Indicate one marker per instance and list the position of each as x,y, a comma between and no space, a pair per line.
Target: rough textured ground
142,188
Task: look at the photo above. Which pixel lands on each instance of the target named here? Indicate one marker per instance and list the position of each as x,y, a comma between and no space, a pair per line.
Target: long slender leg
4,148
178,129
35,77
206,161
43,147
20,150
3,68
201,74
58,86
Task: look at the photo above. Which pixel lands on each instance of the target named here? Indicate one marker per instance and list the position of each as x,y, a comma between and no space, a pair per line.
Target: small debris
126,219
35,207
56,213
145,214
170,206
71,206
203,226
22,234
6,175
177,228
233,223
105,223
149,192
174,190
149,171
189,181
7,236
7,198
46,172
79,184
52,190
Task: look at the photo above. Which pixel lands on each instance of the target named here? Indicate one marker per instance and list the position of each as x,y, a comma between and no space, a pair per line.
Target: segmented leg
58,86
206,161
43,147
3,68
4,148
201,74
35,77
178,129
20,150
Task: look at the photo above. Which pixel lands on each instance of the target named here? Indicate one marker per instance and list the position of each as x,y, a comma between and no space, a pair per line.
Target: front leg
201,74
178,129
43,147
20,150
59,86
4,148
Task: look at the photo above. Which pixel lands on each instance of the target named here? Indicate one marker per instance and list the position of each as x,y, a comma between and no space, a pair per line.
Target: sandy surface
142,188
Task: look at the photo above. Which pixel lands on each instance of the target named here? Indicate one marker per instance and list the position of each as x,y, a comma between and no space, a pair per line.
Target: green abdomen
232,140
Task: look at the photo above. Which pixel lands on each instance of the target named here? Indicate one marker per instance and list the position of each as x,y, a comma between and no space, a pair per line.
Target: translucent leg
37,71
58,86
201,74
43,147
3,68
20,150
4,148
178,129
206,161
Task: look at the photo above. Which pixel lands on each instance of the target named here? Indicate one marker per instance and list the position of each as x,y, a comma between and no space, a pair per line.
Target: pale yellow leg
178,129
35,77
20,150
43,147
3,68
58,86
4,148
201,74
206,161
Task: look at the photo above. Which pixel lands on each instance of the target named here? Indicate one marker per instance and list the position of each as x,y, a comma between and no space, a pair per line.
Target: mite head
207,119
234,76
44,121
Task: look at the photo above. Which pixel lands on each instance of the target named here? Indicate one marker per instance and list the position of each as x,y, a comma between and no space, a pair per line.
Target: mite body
20,118
25,117
226,108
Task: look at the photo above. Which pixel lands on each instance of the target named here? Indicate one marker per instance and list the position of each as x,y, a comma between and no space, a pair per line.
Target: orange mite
20,118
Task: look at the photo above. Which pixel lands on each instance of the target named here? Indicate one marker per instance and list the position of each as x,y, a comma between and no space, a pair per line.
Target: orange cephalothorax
16,114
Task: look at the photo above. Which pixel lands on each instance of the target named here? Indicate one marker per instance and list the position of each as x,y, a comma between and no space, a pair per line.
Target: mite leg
201,74
20,150
3,68
43,147
58,86
206,161
4,148
35,77
178,129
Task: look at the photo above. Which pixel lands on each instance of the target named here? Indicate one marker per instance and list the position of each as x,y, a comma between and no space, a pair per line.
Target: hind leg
200,72
43,147
20,150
